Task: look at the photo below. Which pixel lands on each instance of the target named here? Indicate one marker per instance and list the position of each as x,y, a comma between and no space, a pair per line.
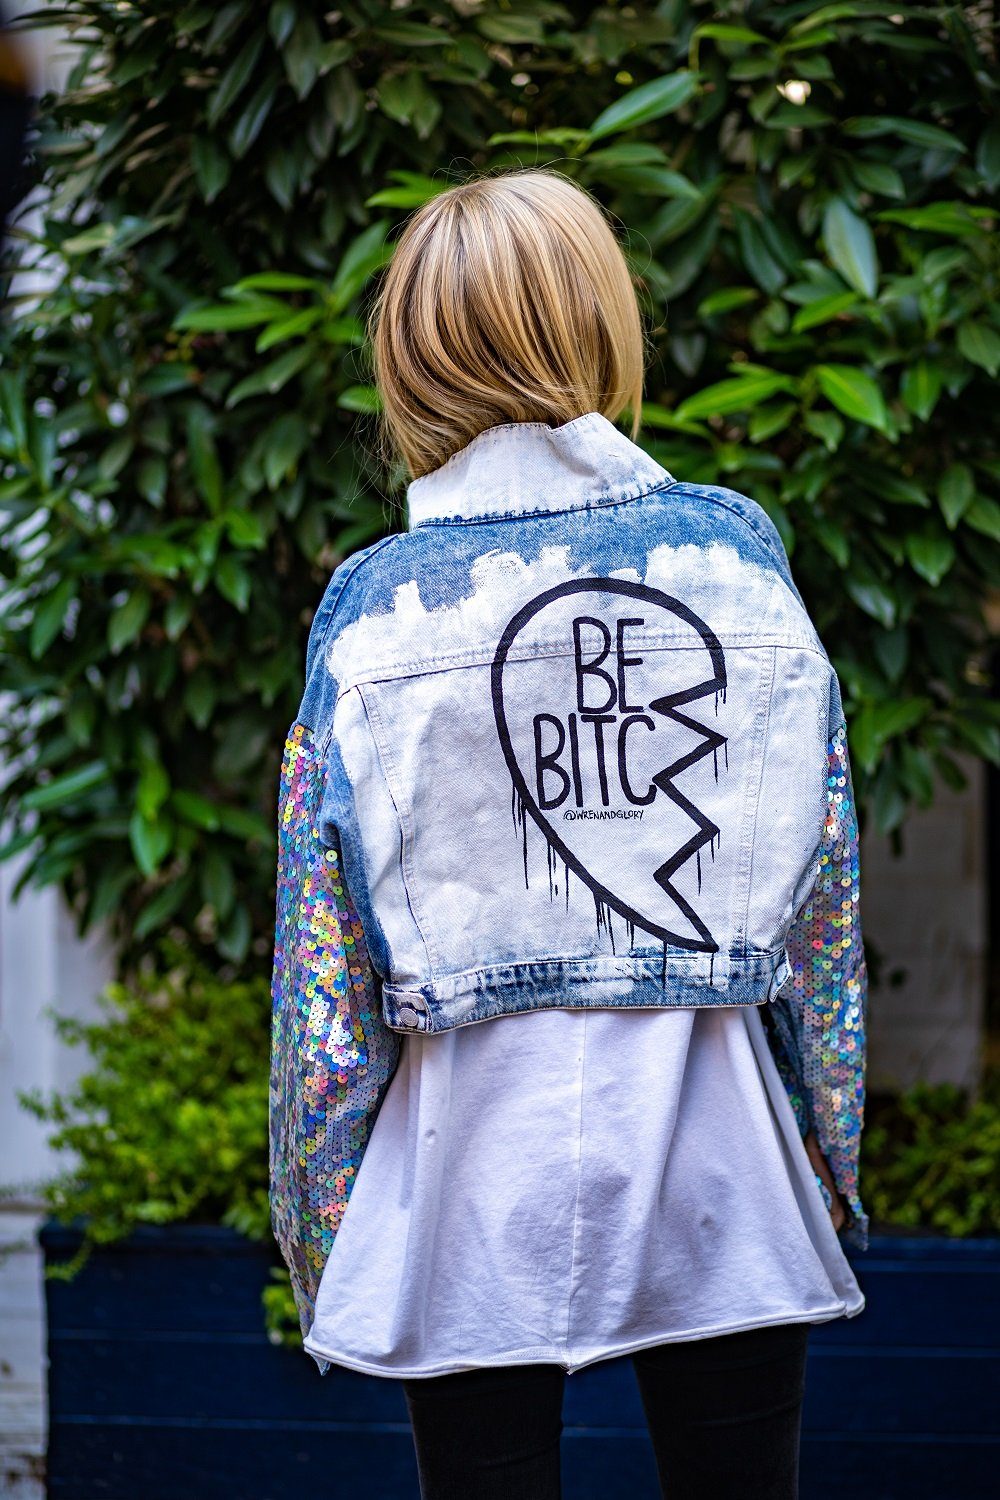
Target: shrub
168,1123
931,1159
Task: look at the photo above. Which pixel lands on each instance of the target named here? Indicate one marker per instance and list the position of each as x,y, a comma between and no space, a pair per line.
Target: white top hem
539,1355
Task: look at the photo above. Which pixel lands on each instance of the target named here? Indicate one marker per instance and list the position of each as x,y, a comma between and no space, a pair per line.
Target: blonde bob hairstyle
507,299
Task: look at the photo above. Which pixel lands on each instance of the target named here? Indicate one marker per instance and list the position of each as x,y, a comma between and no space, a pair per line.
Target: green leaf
153,789
956,492
854,393
234,941
988,155
161,908
406,98
938,218
720,32
651,101
834,539
177,616
900,715
878,177
850,246
980,344
218,883
245,528
512,28
921,386
359,398
825,425
211,166
654,182
876,723
984,515
67,788
233,581
768,420
223,317
12,404
415,34
272,377
125,622
756,254
151,478
286,441
727,299
97,237
301,55
288,328
741,394
931,554
917,131
250,121
890,485
281,173
203,456
413,189
151,840
874,598
789,116
363,257
235,78
166,378
49,615
823,310
192,808
280,21
275,281
116,456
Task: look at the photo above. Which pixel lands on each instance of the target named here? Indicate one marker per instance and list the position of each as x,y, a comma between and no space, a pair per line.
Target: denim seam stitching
483,655
753,802
491,518
353,566
384,752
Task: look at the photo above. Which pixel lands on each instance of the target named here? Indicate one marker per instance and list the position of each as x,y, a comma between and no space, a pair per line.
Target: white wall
42,964
926,912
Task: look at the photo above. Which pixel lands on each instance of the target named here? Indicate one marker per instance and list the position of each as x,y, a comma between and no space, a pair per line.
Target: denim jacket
570,739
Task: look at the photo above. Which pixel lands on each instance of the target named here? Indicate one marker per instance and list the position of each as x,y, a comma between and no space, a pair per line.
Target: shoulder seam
354,564
714,500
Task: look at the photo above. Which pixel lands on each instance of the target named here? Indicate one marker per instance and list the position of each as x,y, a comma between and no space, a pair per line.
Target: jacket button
409,1015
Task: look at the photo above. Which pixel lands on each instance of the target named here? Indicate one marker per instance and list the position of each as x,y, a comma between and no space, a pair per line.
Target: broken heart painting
591,684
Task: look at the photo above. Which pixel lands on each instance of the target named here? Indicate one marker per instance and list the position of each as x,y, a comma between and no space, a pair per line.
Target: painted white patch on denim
734,595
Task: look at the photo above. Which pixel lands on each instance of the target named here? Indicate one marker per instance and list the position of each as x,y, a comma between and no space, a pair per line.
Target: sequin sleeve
817,1025
332,1055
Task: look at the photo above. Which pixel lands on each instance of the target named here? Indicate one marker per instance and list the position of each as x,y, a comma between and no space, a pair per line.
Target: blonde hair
508,299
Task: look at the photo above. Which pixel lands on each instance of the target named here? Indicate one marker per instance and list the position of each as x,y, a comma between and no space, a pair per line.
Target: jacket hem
629,982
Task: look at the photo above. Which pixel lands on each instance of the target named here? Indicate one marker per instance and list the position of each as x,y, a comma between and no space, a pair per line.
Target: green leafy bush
809,197
168,1123
931,1159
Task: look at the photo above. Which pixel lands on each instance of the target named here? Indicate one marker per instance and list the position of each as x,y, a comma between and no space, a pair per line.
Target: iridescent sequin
332,1054
819,1020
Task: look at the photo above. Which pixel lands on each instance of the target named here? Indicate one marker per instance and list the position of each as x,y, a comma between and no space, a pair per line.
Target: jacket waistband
602,982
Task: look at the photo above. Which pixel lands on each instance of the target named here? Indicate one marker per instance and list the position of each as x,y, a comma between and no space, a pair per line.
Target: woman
571,761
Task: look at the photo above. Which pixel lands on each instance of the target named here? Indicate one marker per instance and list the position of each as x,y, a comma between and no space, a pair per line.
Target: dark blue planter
162,1385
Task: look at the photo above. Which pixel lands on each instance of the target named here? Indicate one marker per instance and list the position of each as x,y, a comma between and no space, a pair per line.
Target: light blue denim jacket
569,740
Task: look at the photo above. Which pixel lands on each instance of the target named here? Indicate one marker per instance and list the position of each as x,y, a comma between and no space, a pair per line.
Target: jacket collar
530,467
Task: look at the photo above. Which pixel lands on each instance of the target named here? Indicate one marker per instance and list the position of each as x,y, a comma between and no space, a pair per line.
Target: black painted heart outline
667,705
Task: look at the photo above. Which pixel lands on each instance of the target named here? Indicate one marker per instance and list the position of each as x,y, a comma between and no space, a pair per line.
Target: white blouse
569,1185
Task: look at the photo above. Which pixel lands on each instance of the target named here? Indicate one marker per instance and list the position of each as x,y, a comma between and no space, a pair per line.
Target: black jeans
723,1413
